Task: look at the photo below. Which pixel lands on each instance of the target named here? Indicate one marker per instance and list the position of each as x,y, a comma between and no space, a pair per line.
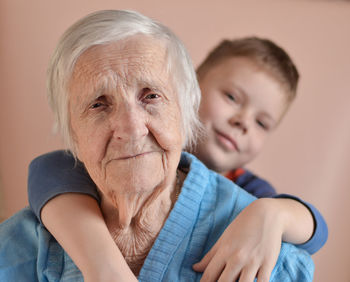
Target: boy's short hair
261,51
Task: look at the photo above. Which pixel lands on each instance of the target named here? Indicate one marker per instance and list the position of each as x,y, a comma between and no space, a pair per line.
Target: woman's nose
129,123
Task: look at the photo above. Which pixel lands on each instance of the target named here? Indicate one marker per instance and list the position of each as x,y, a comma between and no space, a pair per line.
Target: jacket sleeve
56,173
262,189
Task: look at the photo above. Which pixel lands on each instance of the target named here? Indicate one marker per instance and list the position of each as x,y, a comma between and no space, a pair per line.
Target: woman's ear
72,144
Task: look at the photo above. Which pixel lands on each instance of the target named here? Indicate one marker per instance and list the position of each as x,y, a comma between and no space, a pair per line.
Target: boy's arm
73,218
76,222
320,230
250,246
262,189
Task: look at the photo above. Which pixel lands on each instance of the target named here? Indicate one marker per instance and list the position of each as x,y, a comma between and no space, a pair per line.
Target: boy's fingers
203,263
247,274
264,273
229,275
213,270
237,269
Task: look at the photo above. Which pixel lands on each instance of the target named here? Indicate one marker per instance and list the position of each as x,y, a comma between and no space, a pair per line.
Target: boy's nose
129,123
239,121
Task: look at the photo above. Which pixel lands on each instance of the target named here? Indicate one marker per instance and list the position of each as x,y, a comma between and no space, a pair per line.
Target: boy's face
241,105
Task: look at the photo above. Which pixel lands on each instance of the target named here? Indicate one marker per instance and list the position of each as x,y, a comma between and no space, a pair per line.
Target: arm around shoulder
56,173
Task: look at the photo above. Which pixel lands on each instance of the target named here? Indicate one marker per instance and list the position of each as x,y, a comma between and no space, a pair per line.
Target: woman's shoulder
25,244
293,264
19,245
212,184
21,223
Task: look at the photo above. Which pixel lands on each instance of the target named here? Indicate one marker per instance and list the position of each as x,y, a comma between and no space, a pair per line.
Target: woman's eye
148,94
99,102
96,105
152,96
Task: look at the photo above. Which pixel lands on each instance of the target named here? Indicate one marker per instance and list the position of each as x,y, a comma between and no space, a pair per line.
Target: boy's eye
262,125
231,97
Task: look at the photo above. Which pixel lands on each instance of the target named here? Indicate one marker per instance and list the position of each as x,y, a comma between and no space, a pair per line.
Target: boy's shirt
251,183
57,172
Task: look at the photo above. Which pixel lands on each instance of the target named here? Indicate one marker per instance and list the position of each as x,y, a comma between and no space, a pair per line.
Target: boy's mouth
228,142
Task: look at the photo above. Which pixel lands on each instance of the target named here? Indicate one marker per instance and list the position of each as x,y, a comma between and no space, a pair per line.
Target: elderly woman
125,96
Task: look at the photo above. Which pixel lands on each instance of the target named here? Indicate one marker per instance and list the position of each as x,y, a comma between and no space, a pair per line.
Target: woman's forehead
133,58
138,61
133,50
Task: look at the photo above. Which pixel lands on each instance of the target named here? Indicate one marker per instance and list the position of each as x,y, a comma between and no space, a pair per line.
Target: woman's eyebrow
106,86
155,85
89,97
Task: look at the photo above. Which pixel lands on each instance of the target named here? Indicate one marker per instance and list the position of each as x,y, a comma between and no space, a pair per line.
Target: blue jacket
208,202
57,172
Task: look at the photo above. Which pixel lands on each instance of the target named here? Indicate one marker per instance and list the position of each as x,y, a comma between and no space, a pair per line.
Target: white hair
104,27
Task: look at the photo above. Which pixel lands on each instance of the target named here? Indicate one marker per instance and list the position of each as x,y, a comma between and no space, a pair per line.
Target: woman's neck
135,221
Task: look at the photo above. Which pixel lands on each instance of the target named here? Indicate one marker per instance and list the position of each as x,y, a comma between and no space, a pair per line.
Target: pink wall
309,155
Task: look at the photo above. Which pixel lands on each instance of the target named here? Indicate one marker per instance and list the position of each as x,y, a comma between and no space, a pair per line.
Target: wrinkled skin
126,125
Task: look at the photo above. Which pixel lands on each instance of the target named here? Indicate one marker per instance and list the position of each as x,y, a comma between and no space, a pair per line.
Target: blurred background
308,155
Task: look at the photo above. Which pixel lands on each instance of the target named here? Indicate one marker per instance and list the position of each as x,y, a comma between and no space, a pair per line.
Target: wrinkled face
241,104
125,117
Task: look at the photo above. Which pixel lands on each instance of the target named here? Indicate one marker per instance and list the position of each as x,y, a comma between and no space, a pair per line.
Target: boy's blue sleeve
56,173
262,189
320,236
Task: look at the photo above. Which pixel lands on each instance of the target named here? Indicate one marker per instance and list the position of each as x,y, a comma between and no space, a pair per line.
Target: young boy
247,85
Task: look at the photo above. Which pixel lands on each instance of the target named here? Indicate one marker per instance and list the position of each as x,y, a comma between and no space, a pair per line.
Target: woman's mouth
134,155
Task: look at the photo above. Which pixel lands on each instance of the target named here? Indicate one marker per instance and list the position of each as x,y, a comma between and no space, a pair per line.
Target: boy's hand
248,248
